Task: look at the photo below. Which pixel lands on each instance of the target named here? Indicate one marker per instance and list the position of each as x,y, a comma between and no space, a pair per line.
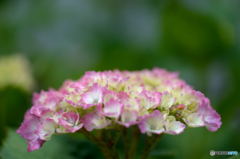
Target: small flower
95,121
93,96
70,121
172,126
112,108
36,131
152,123
149,99
45,102
128,118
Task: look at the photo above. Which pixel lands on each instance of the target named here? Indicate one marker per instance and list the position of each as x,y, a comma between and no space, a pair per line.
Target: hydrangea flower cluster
156,101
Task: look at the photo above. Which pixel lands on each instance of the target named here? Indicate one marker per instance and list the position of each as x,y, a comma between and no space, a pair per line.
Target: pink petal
70,121
93,121
128,118
152,123
93,96
35,145
113,108
174,127
149,99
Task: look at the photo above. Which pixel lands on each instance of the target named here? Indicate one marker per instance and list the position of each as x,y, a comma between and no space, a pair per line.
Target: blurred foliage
61,147
13,105
16,83
15,148
63,39
14,102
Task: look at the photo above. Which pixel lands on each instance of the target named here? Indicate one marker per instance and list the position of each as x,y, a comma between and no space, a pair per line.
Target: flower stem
107,147
150,142
131,140
107,143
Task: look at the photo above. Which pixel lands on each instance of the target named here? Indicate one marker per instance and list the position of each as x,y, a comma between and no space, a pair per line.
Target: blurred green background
61,39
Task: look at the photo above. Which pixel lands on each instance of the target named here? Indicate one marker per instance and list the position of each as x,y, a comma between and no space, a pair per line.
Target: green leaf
15,147
13,104
2,124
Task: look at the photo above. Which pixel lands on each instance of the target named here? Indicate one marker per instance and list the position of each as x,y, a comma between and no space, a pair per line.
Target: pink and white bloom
157,101
128,118
70,121
173,127
45,102
95,121
112,108
149,99
152,123
35,131
93,96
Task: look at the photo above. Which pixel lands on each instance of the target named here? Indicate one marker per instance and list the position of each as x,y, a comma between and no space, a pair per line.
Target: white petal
175,127
194,120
